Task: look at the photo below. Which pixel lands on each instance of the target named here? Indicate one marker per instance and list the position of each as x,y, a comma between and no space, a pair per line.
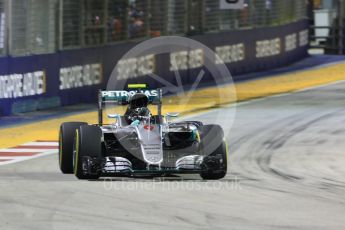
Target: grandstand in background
30,27
61,52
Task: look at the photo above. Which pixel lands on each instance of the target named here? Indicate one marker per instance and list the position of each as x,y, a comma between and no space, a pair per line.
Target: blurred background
60,52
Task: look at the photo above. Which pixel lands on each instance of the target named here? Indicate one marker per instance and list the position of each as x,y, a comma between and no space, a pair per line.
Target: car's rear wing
121,97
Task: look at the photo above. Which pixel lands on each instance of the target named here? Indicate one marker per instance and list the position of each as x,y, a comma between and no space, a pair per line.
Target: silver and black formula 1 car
139,143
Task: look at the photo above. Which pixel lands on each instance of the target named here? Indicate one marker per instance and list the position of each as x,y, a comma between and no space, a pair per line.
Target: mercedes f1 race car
140,143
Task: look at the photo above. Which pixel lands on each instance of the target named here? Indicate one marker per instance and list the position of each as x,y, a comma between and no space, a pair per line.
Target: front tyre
66,137
220,154
87,143
214,149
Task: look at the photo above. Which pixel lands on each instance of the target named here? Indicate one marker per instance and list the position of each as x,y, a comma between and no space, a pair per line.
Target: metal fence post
105,22
126,22
165,18
147,18
202,16
341,27
81,24
7,38
186,25
10,32
60,25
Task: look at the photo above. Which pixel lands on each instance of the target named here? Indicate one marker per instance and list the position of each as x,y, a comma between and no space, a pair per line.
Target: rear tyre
214,149
87,143
66,137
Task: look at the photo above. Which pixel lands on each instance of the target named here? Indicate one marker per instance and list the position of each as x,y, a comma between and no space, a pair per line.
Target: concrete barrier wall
73,76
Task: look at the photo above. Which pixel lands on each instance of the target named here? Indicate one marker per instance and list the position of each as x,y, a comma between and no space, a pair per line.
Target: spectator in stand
268,8
244,15
136,27
136,24
116,28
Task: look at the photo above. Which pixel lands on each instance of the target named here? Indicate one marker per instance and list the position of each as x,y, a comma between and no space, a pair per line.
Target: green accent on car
76,152
60,153
195,135
226,151
137,86
198,136
135,123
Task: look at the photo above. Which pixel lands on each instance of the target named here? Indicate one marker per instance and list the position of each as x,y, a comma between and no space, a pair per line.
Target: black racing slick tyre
66,137
87,143
215,151
220,172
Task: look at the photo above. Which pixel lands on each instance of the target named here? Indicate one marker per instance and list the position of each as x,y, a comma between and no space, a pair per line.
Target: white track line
20,159
41,144
19,150
40,152
12,158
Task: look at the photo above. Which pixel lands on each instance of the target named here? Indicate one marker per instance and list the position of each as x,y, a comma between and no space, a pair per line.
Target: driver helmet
138,100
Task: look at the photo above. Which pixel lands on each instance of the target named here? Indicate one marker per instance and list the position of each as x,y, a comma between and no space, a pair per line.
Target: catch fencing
29,27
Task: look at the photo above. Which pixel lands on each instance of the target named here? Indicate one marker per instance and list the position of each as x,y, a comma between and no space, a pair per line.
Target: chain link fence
44,26
176,17
255,14
70,23
32,26
117,22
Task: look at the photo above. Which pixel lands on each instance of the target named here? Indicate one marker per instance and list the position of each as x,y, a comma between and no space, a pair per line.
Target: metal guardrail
44,26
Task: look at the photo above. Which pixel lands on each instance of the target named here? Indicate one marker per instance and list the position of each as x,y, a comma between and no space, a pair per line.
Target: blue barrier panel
74,76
